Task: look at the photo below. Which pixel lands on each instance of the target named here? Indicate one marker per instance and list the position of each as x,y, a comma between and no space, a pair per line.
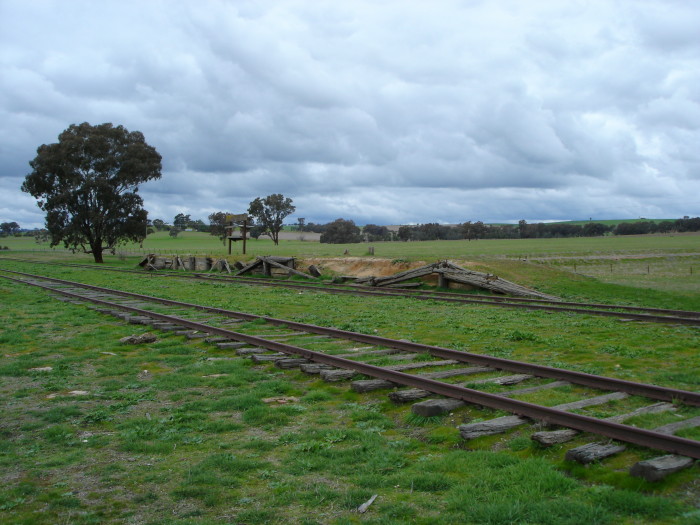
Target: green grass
203,243
176,447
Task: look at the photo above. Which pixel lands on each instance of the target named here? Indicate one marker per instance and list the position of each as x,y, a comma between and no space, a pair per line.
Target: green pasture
162,435
203,243
612,222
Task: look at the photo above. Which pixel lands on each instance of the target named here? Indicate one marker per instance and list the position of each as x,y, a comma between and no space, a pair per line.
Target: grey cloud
390,112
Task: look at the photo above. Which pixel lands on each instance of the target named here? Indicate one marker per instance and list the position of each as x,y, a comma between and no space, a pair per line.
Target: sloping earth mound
362,266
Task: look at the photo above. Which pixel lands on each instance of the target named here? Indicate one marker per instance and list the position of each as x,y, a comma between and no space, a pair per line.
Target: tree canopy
218,225
182,221
341,231
87,183
9,228
270,212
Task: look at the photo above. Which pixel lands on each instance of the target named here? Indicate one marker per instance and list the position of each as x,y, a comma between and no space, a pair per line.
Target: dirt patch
361,266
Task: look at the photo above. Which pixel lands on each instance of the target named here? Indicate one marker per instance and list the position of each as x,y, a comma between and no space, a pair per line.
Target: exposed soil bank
361,266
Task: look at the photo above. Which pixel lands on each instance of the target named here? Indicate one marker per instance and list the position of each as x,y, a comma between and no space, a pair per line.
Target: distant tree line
523,230
269,212
345,231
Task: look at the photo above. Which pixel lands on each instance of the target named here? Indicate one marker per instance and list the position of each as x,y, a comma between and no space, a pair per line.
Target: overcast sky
383,112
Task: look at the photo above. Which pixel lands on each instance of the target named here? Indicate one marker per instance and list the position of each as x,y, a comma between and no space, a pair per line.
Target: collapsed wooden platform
448,272
266,265
191,263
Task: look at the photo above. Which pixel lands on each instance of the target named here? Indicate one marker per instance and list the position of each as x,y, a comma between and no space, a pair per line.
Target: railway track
636,313
413,371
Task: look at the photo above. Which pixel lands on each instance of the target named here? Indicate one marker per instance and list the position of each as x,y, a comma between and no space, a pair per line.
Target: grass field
193,441
202,243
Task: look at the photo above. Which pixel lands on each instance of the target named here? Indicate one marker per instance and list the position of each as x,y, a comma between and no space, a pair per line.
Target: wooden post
244,229
229,246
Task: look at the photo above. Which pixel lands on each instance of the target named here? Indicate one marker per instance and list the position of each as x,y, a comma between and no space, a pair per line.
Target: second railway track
637,313
427,370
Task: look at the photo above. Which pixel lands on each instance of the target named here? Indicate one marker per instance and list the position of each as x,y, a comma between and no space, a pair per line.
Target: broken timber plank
658,468
288,269
250,351
408,395
369,385
230,345
671,428
286,364
266,358
412,394
528,390
457,372
404,276
388,351
492,283
315,368
424,364
436,407
339,374
402,285
501,424
553,437
593,452
249,267
502,380
490,427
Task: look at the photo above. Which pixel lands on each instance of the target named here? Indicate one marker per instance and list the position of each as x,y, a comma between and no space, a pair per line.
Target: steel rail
621,432
580,378
606,310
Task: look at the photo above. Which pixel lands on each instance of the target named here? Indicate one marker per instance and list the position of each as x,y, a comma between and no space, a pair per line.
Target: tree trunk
97,250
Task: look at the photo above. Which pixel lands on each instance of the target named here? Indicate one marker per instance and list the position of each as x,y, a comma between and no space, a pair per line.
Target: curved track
148,310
